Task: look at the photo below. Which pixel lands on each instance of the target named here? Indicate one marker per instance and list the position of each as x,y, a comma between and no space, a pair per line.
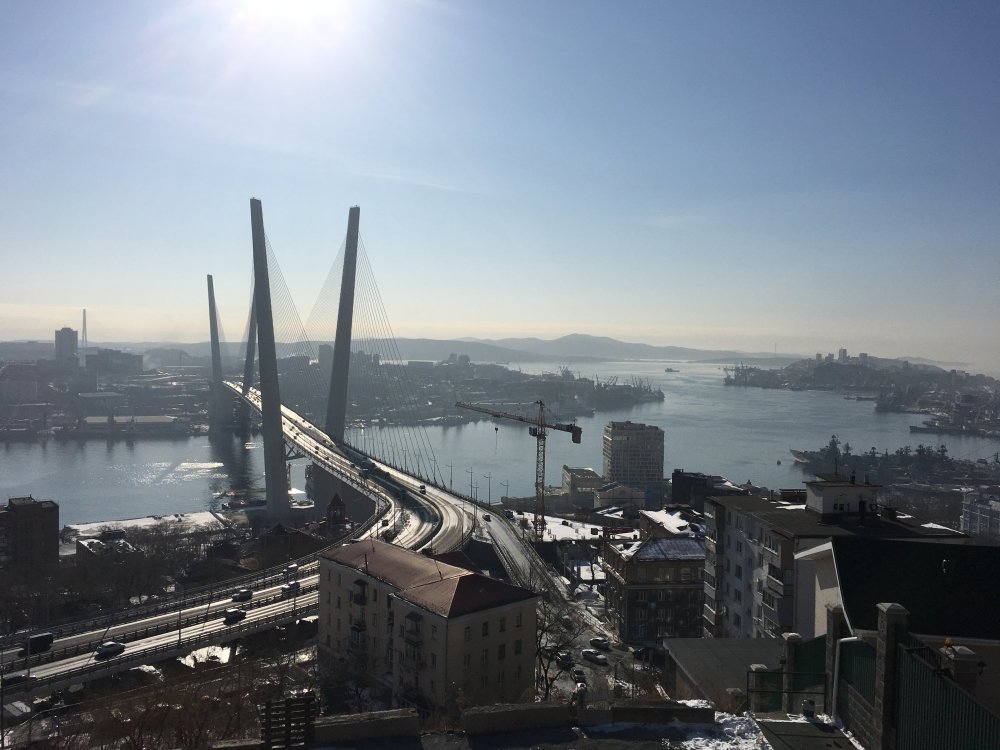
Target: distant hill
603,347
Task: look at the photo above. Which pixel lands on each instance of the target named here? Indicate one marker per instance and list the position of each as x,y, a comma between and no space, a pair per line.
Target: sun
289,17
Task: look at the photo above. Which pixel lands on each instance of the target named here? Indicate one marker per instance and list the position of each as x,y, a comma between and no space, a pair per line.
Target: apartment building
633,454
423,631
753,580
654,588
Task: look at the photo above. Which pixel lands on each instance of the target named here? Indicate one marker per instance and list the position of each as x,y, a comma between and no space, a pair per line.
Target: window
738,595
738,572
503,624
484,681
659,595
433,688
338,624
328,575
486,629
327,639
501,652
642,596
641,614
641,631
739,546
434,632
327,597
517,672
737,620
468,633
517,647
338,579
328,618
517,620
466,661
434,660
338,602
500,679
486,656
374,595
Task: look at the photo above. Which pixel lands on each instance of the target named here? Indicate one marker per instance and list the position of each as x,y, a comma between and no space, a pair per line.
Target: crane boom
537,430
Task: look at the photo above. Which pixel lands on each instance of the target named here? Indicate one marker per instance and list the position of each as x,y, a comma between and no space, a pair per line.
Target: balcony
413,637
777,587
710,544
359,598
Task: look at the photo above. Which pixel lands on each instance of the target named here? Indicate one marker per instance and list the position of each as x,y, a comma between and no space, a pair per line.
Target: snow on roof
673,548
672,522
791,507
932,525
563,530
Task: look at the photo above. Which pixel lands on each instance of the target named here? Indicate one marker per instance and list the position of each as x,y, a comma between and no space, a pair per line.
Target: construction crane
537,430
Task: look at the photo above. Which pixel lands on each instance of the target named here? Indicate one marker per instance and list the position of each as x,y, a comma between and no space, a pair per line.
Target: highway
434,520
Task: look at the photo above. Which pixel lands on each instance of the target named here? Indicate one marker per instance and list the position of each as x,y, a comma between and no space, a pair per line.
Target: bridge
421,513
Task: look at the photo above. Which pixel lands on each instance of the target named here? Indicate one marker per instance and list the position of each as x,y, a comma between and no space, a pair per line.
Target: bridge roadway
163,630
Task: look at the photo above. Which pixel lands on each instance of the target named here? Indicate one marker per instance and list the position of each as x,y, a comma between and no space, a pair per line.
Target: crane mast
537,429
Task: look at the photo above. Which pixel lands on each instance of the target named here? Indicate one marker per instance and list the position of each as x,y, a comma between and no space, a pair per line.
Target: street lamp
489,489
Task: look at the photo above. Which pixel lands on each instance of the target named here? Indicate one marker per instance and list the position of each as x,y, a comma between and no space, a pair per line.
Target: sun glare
289,15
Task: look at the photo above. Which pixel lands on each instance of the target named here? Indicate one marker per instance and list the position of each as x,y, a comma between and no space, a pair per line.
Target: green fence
932,712
810,664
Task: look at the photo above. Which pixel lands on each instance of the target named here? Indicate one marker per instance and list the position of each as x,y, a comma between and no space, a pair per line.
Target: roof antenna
440,574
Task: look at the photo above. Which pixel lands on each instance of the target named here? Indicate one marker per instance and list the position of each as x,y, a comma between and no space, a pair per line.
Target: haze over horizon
714,176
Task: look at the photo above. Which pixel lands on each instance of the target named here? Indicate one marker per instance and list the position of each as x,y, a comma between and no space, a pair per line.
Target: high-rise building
633,454
66,345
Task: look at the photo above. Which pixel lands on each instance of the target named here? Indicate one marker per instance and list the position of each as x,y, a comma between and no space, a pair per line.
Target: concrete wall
403,722
501,718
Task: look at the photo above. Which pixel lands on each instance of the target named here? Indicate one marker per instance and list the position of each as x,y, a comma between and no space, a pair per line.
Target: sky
752,176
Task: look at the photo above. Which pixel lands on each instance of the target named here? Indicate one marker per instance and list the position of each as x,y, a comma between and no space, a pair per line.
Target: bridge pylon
219,399
274,447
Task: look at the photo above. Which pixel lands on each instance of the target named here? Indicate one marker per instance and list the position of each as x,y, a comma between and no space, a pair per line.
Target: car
232,616
486,517
108,649
578,675
602,643
243,595
423,489
564,659
592,654
292,569
290,589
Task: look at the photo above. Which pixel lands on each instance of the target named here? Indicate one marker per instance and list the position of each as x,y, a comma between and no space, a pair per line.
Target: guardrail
131,659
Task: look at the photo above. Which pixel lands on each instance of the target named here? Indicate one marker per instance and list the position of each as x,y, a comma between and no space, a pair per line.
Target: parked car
592,654
423,489
233,616
108,649
602,643
564,659
243,595
486,517
289,589
578,675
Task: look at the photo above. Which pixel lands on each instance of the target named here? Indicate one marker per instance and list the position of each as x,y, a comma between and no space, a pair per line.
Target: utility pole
489,488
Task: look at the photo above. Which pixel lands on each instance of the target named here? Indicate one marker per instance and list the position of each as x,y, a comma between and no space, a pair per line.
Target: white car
592,654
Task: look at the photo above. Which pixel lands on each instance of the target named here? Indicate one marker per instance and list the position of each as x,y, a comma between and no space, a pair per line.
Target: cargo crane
537,430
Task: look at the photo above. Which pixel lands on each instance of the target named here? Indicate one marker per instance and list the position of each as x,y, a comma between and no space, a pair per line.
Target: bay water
740,433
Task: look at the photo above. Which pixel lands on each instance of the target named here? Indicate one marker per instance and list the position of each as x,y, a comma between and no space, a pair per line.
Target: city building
424,632
633,455
66,341
581,484
114,362
615,494
692,487
654,588
29,533
671,522
981,518
753,581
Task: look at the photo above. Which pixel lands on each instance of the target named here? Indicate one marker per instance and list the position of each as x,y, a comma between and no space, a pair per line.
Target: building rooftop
794,520
435,586
673,522
716,664
948,589
651,550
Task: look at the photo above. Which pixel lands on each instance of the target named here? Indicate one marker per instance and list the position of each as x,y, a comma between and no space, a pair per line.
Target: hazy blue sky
806,175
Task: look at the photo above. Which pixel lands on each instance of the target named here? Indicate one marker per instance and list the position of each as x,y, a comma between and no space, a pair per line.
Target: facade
114,362
580,484
66,341
29,533
752,577
981,518
425,632
654,588
633,454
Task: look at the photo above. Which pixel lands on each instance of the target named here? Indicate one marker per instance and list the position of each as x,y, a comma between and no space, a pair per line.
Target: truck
36,644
